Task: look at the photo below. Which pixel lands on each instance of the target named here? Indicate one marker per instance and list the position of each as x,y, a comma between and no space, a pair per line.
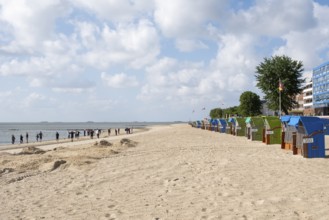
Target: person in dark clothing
57,136
72,135
21,139
27,137
40,136
13,139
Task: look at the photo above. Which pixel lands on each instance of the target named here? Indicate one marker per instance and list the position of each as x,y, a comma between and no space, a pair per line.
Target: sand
167,172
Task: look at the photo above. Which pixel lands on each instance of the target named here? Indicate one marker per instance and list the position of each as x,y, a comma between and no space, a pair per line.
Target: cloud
273,17
317,38
186,21
116,11
34,99
120,80
186,45
31,22
186,18
134,44
170,80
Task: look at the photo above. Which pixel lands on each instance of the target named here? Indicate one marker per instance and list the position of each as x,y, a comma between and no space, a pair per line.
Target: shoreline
51,144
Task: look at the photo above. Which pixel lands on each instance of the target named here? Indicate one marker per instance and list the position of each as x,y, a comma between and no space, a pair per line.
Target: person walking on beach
37,137
21,139
13,139
27,137
57,136
40,136
72,135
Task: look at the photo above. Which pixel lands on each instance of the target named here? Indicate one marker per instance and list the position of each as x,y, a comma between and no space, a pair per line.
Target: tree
222,113
250,104
216,113
231,111
271,71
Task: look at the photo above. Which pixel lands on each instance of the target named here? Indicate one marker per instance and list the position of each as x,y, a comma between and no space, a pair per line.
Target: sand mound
103,143
125,142
31,150
32,159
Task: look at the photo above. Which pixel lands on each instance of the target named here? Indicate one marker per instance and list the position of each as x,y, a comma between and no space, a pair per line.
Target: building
266,111
308,99
321,89
299,107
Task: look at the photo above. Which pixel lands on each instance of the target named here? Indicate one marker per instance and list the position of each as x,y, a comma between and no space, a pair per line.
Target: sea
49,129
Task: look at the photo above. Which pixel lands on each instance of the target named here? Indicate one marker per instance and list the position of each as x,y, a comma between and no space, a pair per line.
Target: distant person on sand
116,132
40,136
57,136
109,131
37,137
13,139
72,135
27,137
21,139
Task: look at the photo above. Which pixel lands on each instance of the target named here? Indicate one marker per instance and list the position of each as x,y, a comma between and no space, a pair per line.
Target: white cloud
32,21
120,80
274,17
170,80
186,21
33,99
186,18
137,45
234,67
186,45
317,40
116,11
5,94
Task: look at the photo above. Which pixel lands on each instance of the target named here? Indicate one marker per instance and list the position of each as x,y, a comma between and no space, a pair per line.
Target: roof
294,120
285,118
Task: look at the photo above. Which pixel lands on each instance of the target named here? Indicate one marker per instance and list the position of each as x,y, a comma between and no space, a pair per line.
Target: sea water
49,129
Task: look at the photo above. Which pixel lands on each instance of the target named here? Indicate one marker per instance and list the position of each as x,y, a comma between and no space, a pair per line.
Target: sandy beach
166,172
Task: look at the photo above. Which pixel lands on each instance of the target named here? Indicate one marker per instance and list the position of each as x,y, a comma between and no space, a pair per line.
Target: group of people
117,131
21,138
71,134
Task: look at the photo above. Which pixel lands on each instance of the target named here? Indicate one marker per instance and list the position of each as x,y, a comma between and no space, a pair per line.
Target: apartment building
321,89
308,99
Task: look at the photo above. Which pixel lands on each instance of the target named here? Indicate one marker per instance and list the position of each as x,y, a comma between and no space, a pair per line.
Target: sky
146,60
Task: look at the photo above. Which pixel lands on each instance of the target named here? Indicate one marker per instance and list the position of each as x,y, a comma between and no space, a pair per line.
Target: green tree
231,111
216,113
268,74
250,104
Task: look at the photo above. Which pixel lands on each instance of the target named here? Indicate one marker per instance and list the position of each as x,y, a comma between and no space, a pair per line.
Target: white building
308,99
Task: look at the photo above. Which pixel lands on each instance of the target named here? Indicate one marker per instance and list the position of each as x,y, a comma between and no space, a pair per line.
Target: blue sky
146,60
